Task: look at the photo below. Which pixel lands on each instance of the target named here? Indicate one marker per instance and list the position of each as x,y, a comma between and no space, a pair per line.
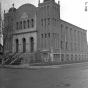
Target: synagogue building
38,34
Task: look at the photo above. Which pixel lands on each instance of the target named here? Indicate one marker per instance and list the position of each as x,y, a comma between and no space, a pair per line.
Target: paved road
74,77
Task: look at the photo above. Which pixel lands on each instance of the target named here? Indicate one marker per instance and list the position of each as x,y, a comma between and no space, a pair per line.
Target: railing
8,57
7,53
14,58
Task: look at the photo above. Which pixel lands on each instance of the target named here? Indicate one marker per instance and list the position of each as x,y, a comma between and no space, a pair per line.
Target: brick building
31,29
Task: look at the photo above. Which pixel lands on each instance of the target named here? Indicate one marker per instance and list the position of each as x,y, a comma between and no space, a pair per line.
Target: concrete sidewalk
50,66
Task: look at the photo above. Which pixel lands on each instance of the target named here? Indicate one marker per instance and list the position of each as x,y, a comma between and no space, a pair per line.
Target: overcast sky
72,11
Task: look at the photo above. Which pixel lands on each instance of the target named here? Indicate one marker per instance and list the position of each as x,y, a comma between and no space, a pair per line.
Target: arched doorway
31,44
17,43
24,45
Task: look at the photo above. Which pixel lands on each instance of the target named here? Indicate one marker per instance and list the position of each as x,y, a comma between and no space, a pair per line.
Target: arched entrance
31,44
24,45
17,42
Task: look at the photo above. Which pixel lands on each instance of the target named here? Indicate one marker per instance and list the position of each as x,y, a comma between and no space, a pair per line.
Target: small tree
5,36
5,32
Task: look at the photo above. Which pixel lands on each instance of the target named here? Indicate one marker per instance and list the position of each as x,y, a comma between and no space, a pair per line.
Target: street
72,77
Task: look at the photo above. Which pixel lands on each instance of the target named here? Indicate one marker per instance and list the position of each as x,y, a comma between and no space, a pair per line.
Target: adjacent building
30,29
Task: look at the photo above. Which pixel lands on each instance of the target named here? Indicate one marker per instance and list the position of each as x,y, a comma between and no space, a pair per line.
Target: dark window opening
24,22
28,23
32,20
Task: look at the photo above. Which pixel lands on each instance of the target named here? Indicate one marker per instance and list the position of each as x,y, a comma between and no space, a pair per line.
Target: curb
51,66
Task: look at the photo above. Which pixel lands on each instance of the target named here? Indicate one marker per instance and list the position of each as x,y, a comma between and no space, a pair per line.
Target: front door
24,45
17,45
32,44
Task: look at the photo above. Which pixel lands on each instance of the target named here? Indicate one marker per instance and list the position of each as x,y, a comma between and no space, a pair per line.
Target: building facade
30,28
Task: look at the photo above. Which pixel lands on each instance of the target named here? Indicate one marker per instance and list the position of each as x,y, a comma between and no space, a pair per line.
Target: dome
48,0
12,9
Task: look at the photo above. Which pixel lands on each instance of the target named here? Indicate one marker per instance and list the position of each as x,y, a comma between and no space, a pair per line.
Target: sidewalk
51,66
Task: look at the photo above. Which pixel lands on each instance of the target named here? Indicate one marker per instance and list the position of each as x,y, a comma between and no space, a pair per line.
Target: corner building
38,34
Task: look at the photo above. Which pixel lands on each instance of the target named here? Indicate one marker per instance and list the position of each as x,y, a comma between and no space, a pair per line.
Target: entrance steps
15,59
33,57
7,59
22,58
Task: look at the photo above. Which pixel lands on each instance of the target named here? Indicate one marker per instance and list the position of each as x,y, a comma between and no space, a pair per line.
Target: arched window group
25,24
46,7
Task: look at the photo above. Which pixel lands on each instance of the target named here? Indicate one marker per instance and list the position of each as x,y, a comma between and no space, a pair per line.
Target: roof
12,9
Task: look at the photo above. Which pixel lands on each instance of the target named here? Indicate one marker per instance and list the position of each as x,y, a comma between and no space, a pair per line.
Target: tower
50,18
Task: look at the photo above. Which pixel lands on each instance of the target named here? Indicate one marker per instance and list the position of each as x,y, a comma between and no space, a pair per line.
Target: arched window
71,33
75,35
32,20
45,21
47,7
24,23
66,35
61,28
20,25
17,25
48,21
42,22
84,36
28,23
78,37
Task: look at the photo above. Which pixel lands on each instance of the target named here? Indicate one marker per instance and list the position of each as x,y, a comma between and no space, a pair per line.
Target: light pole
86,6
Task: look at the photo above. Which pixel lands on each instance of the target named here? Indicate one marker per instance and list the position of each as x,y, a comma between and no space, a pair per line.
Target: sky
72,11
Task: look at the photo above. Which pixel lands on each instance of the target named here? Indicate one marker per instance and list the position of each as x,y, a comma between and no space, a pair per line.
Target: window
55,22
48,21
66,32
20,25
53,35
75,46
53,7
45,42
17,25
28,23
78,37
61,44
48,34
42,35
47,7
42,21
45,21
71,44
71,33
84,36
24,23
45,35
71,56
75,35
61,28
79,47
32,20
81,35
66,45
